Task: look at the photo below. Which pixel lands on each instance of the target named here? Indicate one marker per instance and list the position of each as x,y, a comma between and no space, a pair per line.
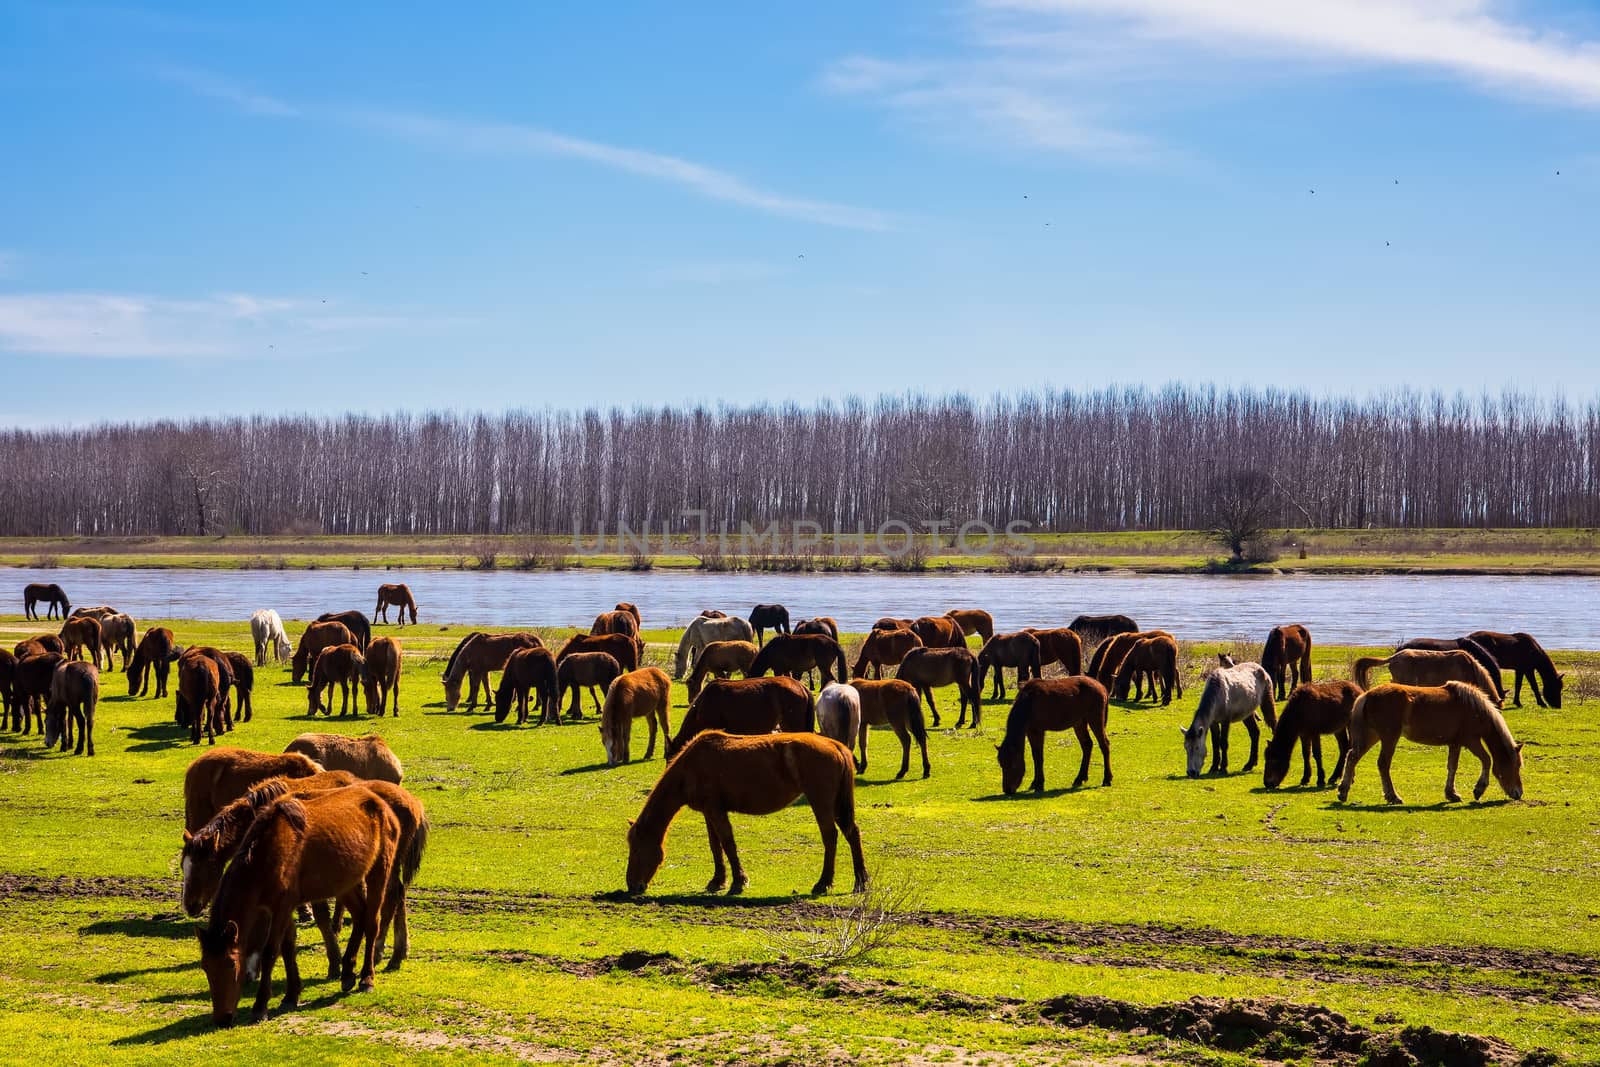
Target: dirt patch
86,887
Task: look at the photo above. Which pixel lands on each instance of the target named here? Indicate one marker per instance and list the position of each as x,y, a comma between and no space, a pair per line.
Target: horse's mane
1016,723
455,656
1483,706
294,813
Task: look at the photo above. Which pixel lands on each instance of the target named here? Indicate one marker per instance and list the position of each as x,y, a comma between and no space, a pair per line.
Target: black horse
360,626
50,593
764,617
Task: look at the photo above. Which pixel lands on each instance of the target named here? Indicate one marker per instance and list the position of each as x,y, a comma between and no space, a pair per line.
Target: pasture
1075,926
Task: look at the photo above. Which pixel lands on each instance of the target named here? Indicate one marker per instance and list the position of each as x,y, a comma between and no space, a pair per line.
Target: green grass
1463,917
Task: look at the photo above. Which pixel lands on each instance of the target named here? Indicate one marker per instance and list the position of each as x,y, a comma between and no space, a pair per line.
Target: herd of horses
770,719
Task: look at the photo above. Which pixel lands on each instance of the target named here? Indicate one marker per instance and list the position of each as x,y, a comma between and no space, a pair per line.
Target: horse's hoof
820,888
367,985
1453,797
736,888
1393,800
288,1004
392,965
715,885
260,1015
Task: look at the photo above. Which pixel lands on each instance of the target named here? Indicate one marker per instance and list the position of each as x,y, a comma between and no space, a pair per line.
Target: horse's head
1225,659
220,960
202,872
55,723
1012,765
1508,772
285,649
1194,749
452,692
645,856
1275,767
1552,691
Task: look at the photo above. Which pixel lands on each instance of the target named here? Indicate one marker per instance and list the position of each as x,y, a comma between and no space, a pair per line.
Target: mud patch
87,887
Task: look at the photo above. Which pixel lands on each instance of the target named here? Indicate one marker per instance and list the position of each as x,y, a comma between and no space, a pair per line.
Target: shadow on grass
590,768
157,736
30,753
1028,794
175,927
1382,808
703,900
193,1026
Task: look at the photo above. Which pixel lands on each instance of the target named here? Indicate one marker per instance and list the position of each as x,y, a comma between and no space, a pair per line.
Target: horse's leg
1036,743
1316,749
276,934
291,969
724,830
1343,739
372,917
719,873
1305,758
661,713
1219,738
1082,730
927,691
1475,746
1451,760
1255,742
1386,749
330,934
1533,686
1099,730
1357,747
830,841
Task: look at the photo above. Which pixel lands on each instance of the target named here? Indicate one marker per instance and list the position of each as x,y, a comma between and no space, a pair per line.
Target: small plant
640,560
485,554
912,559
537,553
829,934
45,562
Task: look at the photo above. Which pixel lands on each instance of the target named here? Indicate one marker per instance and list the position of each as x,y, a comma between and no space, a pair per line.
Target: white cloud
246,100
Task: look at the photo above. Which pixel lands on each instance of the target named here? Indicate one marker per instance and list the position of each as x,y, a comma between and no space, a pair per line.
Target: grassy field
1157,920
1563,551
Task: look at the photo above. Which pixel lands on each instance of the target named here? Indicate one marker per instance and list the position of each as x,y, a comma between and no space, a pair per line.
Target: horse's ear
1519,745
997,748
630,824
230,933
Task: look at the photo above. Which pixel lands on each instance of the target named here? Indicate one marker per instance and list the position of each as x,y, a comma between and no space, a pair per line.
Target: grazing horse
35,593
745,706
398,596
720,658
581,670
80,634
318,636
1287,656
244,682
368,756
74,692
98,611
36,646
358,624
1155,658
155,655
30,688
8,674
615,622
380,676
1232,693
1060,645
1314,709
973,621
884,648
341,844
529,670
642,694
794,654
718,773
889,622
626,649
1527,659
116,635
1416,666
825,625
1461,644
939,631
1454,714
219,777
1019,650
931,668
631,609
200,696
1076,703
266,630
839,713
474,657
764,617
712,613
1094,629
704,630
898,706
341,665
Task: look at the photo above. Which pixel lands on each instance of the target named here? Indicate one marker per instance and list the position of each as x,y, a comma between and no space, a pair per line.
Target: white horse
702,631
267,629
1232,694
839,713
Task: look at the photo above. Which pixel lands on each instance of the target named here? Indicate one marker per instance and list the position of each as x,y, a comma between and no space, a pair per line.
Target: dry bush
1582,685
45,562
484,555
540,553
640,560
913,560
833,934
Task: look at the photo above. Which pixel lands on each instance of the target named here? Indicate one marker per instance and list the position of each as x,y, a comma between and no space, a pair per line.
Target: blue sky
379,206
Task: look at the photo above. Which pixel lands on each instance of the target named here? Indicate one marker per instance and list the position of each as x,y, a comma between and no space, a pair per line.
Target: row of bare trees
1111,459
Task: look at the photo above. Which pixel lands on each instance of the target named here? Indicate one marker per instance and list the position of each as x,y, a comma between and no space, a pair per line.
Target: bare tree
1239,512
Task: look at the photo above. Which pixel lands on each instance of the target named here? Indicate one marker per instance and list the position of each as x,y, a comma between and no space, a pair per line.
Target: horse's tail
914,720
1363,669
412,860
844,805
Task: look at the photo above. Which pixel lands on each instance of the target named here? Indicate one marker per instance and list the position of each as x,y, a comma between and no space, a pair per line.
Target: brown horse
117,635
746,706
624,648
584,670
318,636
1287,656
764,617
1454,714
824,625
358,624
1095,629
8,674
244,682
889,622
642,694
340,844
223,775
898,706
1155,658
884,648
1107,660
1019,650
718,773
35,593
40,645
1523,655
368,757
1059,645
80,634
474,657
631,609
220,713
380,676
721,658
529,670
30,687
939,631
156,653
200,696
794,654
74,692
399,597
1415,666
1460,644
1314,709
615,622
1076,703
933,668
341,665
98,611
973,621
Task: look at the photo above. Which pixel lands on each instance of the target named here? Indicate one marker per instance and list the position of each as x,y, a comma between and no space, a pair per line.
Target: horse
1059,645
341,665
1108,655
116,635
219,777
624,648
1232,694
155,655
529,670
1076,703
642,694
580,670
930,668
1019,650
98,612
897,705
1416,666
631,609
380,676
718,773
889,622
1314,709
340,844
839,713
318,636
745,706
712,613
793,654
939,631
47,592
266,630
82,633
704,630
1094,629
30,688
8,673
474,657
244,682
1155,658
1287,656
368,756
720,658
1454,714
398,596
74,692
358,624
200,696
823,625
764,617
39,645
1461,644
884,648
973,621
1527,659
